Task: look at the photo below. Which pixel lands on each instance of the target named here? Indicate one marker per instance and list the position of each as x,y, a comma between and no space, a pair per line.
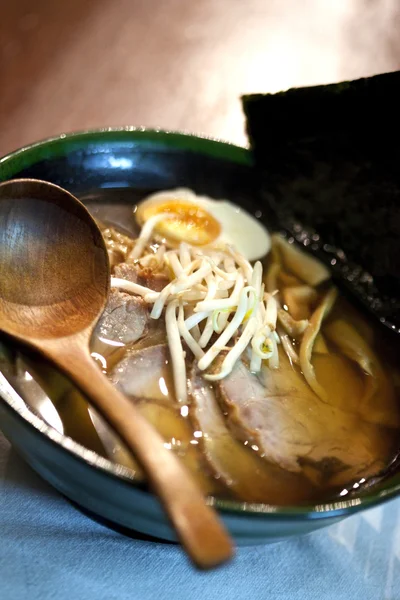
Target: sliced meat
145,373
125,318
156,334
239,467
280,413
154,280
177,432
144,376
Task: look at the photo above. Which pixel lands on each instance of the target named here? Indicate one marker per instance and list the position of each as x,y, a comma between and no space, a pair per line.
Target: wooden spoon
54,283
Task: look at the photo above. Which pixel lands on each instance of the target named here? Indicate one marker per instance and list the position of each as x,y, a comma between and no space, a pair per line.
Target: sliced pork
279,413
145,373
239,467
145,377
124,320
143,276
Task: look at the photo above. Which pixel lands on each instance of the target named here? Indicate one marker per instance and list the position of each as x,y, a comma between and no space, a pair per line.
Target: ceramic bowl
88,164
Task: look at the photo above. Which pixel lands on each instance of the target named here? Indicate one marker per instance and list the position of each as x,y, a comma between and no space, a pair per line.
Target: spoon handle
197,525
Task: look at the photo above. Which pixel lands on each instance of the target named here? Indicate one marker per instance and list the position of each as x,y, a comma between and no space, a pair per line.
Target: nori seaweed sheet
328,158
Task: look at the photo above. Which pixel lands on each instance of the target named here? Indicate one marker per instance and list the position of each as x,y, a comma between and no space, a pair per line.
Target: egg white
239,228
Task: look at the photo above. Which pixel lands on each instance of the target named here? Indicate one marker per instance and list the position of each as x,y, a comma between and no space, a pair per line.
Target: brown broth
345,381
373,424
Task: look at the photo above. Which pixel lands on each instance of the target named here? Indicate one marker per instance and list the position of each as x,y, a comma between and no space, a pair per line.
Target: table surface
177,65
49,550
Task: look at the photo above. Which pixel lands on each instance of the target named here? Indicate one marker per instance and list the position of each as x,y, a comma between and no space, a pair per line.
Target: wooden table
176,64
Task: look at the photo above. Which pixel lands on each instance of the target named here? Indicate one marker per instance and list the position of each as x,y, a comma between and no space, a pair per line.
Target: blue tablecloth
49,549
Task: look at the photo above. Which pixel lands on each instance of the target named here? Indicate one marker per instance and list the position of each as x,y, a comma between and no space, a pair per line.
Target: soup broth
318,417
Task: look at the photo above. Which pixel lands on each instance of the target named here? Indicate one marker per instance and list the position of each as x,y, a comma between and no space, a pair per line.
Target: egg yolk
192,224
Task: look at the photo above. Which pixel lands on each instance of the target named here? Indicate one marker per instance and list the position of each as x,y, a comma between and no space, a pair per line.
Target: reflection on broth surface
297,403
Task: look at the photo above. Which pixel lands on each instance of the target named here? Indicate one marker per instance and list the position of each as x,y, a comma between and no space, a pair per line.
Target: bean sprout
271,312
185,333
233,355
159,255
146,233
129,286
207,332
184,255
213,291
174,263
176,352
195,319
229,332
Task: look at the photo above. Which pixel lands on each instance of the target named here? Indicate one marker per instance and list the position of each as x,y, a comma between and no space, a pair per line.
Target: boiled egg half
202,221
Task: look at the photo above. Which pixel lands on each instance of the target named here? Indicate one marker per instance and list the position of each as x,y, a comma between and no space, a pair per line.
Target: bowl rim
63,144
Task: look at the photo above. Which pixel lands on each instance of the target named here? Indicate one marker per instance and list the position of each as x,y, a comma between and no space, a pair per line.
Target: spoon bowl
54,283
54,271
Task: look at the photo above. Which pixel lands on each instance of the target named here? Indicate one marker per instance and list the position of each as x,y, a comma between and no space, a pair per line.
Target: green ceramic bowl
138,160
